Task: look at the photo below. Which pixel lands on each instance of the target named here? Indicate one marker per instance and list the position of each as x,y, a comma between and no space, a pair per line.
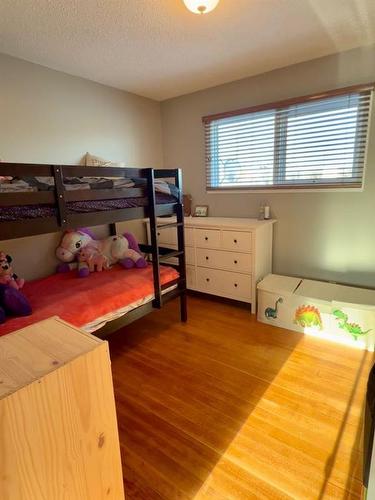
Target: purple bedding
8,214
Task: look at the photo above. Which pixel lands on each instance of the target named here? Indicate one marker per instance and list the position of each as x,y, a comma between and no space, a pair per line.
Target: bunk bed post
154,236
112,229
60,195
181,247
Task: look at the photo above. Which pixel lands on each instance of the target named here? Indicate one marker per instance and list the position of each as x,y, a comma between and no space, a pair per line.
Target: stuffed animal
94,259
122,249
7,276
12,303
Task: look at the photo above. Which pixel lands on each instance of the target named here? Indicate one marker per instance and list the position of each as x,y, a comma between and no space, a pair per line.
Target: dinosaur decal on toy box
271,312
308,316
352,328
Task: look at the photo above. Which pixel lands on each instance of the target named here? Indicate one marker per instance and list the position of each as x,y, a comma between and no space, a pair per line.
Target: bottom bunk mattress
89,303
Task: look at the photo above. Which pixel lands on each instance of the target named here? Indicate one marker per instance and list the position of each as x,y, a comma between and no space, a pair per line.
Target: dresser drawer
190,256
236,240
189,237
230,261
168,236
190,277
207,238
224,283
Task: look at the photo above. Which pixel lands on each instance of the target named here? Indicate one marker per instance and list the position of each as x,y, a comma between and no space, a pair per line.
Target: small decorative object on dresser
201,211
187,201
267,212
224,257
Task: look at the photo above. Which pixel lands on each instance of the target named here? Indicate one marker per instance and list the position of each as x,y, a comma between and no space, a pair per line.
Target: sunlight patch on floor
307,459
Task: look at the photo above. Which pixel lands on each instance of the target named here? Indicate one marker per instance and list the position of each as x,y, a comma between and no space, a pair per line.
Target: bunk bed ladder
165,254
154,238
161,255
181,247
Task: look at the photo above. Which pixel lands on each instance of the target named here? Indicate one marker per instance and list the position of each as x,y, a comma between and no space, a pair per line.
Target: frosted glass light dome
201,6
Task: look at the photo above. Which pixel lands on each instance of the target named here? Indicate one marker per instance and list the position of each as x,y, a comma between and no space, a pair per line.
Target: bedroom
222,405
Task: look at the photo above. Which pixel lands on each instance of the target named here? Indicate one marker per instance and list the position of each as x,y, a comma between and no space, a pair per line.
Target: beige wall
50,117
321,235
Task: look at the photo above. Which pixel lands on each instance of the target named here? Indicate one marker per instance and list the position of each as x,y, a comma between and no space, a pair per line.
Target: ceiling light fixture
201,6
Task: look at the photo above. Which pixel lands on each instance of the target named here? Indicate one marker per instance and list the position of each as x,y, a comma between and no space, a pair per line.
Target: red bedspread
82,300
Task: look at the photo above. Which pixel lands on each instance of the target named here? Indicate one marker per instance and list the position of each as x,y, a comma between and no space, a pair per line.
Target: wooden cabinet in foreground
58,428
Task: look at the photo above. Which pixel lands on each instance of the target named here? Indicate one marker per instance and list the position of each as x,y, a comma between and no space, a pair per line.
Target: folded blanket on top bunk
89,303
33,184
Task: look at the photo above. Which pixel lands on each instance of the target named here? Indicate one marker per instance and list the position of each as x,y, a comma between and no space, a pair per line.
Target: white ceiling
157,48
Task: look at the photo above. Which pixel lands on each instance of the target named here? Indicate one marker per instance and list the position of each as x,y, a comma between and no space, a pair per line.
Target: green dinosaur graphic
352,328
271,312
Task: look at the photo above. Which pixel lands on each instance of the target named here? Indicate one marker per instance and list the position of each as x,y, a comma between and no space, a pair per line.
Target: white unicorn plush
122,249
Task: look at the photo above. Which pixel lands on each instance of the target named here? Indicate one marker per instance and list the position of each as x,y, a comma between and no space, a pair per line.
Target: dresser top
220,222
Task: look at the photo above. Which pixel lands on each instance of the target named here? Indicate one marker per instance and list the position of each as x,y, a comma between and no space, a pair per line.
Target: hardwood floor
224,407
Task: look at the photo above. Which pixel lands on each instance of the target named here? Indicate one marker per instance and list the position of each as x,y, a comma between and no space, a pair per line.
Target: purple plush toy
12,303
119,248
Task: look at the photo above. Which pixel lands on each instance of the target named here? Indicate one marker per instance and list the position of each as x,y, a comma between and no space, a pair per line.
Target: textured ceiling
157,48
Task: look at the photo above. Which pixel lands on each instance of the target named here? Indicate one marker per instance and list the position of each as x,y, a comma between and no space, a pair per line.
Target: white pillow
90,160
95,161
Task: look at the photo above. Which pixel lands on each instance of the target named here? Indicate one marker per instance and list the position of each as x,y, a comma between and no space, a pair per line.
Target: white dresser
224,256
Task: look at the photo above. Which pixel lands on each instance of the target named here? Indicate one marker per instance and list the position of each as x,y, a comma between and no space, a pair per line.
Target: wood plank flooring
224,407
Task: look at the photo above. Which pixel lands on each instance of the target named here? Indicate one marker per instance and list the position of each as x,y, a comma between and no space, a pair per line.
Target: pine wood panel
225,407
38,349
58,432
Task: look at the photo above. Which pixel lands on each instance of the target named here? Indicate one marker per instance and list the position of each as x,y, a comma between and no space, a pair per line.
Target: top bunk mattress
88,302
165,193
18,212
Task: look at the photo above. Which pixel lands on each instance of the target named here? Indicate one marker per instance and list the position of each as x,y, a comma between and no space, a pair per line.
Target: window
311,142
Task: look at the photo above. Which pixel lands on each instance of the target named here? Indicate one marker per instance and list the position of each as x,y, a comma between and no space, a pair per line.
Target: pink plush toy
7,276
122,249
94,260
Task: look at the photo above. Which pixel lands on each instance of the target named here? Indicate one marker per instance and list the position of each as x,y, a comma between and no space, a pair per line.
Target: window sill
287,190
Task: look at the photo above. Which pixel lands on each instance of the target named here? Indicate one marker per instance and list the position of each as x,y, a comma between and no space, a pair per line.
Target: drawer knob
235,241
158,234
235,285
207,279
235,262
206,257
206,238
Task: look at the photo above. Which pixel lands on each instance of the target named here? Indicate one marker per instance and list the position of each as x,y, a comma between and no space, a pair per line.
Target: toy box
330,311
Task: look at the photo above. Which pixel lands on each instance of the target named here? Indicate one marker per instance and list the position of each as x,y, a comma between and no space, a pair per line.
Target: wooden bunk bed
59,209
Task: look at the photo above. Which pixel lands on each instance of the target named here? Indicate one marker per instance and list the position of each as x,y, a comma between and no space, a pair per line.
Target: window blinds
317,141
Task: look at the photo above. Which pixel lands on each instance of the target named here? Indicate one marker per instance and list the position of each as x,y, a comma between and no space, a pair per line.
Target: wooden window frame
277,106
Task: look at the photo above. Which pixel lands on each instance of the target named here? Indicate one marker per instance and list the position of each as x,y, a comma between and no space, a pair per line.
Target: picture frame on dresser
225,257
201,211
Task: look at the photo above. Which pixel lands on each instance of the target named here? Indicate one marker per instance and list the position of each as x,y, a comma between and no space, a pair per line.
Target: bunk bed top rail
43,170
27,213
